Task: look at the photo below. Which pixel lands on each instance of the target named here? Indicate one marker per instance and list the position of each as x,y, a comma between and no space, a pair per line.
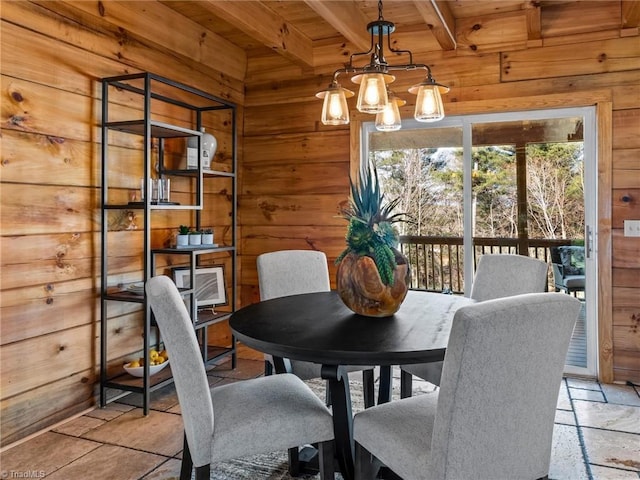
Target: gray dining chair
497,276
494,413
254,416
293,272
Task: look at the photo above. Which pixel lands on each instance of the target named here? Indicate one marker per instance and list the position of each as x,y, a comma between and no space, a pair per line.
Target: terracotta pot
362,290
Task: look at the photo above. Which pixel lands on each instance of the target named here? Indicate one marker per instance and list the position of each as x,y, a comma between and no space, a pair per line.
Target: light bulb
371,96
335,107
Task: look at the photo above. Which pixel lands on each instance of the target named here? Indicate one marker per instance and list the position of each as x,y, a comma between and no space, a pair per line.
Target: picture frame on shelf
210,284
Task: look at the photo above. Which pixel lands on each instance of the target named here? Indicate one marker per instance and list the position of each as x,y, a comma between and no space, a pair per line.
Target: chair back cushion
499,389
292,272
499,276
186,363
572,259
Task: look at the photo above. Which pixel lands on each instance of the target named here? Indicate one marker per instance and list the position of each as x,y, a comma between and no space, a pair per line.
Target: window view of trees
527,191
429,183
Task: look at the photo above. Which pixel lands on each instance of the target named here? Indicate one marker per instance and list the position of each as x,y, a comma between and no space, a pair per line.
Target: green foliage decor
371,231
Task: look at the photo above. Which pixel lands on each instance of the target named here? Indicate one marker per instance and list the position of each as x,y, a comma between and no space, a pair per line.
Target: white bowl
139,371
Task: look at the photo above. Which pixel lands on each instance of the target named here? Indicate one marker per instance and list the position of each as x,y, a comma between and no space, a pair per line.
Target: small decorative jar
207,236
195,238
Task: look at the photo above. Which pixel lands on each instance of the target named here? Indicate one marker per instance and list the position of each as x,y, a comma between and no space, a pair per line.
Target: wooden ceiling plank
347,18
437,15
260,22
187,37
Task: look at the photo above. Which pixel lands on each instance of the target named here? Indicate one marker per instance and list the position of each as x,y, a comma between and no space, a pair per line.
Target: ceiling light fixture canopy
374,78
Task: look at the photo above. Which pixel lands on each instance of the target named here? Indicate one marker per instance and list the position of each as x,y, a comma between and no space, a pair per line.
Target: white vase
209,146
182,240
207,238
195,239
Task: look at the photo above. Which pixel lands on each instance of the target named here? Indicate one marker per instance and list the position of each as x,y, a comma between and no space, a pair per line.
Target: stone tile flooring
597,436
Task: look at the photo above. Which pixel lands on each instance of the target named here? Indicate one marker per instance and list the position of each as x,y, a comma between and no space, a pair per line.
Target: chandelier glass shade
374,79
335,110
389,120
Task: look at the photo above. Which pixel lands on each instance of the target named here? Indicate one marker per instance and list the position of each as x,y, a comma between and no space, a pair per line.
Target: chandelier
374,95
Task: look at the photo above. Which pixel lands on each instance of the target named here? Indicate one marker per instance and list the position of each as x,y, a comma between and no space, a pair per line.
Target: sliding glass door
518,182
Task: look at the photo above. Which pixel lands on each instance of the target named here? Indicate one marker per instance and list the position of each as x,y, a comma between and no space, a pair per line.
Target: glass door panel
424,168
516,182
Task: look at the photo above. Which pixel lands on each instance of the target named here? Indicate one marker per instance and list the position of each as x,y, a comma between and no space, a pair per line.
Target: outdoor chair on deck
294,272
497,276
568,268
239,419
494,413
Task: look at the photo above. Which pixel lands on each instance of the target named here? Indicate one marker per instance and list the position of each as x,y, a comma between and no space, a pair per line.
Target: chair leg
366,465
406,384
327,394
369,388
203,472
326,457
187,462
294,462
385,386
268,368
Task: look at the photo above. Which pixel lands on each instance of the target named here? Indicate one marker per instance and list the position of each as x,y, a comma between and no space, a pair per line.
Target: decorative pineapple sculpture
372,274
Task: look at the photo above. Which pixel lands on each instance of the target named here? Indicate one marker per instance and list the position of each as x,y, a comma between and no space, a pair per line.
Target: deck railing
437,263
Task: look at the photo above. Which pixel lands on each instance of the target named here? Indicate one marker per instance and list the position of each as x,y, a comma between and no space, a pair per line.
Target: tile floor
597,436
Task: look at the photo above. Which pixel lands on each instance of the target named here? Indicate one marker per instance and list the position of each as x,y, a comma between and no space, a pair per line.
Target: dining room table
320,328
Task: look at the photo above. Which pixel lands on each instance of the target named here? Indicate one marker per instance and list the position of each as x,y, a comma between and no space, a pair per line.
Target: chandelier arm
410,66
399,52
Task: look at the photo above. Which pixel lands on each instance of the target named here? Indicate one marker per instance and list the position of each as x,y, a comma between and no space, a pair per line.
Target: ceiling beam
533,13
437,15
345,17
630,14
266,26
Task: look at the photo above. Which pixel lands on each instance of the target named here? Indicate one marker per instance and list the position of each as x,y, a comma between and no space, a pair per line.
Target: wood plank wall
53,56
294,174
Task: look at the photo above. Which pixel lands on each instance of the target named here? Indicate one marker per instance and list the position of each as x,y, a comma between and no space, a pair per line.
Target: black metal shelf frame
148,86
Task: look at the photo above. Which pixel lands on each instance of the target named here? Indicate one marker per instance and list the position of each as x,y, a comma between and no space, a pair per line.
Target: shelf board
116,293
215,353
206,317
195,249
127,382
193,172
158,129
153,206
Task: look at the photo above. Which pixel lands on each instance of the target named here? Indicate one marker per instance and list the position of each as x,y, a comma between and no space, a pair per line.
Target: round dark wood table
319,328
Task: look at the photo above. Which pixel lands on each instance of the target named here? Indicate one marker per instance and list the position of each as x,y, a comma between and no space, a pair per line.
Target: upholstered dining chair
249,417
494,413
293,272
568,268
497,276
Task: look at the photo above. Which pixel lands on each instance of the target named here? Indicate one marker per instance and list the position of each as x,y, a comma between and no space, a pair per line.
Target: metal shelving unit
188,105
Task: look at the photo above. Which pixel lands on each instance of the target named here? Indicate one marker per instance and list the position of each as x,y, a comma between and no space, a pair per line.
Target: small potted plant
195,237
207,236
182,239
